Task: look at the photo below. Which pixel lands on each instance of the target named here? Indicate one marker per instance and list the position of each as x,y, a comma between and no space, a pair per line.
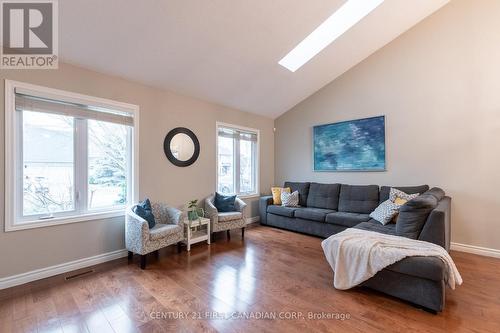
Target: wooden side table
199,231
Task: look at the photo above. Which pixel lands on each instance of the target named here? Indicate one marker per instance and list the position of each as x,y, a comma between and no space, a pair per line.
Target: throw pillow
144,210
276,191
401,197
385,212
413,215
290,199
224,203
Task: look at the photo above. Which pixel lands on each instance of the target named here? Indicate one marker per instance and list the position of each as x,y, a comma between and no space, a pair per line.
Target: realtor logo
29,34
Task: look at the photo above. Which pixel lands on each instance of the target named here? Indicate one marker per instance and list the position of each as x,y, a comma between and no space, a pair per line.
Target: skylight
333,27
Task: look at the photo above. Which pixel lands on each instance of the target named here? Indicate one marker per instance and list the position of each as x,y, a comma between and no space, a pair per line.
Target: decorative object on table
276,192
192,210
354,145
224,203
225,221
140,239
196,231
290,199
181,146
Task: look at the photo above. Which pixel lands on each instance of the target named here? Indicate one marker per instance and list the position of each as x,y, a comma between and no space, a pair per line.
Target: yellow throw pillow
276,191
400,201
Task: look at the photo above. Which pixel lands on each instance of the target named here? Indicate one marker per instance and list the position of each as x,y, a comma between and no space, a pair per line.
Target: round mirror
181,147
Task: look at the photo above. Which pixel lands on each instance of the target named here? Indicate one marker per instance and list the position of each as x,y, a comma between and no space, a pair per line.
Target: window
69,157
237,160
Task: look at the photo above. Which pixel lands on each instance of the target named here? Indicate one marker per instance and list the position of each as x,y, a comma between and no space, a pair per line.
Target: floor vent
71,277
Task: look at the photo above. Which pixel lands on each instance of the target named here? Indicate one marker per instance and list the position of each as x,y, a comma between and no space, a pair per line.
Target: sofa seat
373,225
431,268
314,214
229,216
160,231
347,219
281,210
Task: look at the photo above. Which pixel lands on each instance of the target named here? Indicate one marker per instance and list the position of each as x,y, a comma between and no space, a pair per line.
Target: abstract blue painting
354,145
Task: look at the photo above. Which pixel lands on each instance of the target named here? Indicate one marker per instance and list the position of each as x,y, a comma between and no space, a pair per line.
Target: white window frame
236,164
12,134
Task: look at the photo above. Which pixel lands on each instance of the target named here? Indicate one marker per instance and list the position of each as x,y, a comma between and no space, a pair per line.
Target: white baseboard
482,251
15,280
254,219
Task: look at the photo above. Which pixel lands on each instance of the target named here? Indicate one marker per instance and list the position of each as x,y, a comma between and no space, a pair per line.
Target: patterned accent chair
226,221
141,240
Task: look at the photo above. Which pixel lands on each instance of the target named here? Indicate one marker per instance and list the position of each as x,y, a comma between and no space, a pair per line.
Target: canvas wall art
354,145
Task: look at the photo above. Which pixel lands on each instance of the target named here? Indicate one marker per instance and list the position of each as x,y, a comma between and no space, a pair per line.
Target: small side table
197,232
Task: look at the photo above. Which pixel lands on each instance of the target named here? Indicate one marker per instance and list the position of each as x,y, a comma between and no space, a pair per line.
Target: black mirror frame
168,152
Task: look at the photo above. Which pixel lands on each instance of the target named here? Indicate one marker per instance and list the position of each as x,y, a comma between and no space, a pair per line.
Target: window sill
63,220
249,196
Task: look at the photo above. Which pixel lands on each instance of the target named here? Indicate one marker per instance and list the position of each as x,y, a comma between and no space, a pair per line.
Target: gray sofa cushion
302,188
437,193
431,268
314,214
358,198
413,214
281,210
373,225
385,190
323,196
347,219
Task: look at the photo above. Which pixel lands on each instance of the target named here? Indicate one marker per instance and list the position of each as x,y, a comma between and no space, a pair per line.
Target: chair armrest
210,210
175,216
240,206
263,203
136,232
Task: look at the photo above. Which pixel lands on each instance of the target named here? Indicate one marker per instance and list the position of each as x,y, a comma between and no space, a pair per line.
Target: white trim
15,280
482,251
257,157
63,220
250,220
10,151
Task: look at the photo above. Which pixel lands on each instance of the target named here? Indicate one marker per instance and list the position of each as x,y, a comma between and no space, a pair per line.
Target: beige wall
439,86
160,111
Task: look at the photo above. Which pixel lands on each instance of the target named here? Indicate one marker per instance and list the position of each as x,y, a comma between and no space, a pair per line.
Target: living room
249,166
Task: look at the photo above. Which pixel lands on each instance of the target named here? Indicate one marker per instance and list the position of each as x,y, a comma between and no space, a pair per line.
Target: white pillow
385,212
290,199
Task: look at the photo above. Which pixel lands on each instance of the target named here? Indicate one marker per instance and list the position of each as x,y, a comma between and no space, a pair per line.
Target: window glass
107,164
226,165
48,163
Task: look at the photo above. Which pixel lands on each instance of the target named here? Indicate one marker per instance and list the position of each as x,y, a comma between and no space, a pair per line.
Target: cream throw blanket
356,255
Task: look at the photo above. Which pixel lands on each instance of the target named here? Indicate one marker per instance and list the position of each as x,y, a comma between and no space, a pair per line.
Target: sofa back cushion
437,193
323,196
302,188
385,190
413,215
358,198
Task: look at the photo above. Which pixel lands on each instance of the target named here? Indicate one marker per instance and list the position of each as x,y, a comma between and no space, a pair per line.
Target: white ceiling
224,51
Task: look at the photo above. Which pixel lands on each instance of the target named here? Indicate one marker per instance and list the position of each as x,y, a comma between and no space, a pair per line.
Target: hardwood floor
272,272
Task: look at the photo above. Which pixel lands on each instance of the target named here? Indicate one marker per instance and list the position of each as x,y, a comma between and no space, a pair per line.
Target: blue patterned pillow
385,212
224,203
144,210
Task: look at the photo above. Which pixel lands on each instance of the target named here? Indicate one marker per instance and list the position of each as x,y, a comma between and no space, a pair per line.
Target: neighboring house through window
237,160
70,157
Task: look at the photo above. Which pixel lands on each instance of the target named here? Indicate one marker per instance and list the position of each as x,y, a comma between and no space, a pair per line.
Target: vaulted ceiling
224,51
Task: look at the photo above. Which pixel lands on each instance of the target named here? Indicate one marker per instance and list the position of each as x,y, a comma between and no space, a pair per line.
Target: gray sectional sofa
326,209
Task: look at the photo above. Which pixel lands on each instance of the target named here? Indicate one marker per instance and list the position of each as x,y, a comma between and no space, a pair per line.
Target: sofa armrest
437,228
136,232
263,203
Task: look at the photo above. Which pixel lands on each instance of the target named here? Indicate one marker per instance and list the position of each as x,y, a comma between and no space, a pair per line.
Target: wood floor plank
226,286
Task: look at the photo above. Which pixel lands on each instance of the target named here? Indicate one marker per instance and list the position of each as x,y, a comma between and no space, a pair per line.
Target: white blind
234,133
26,102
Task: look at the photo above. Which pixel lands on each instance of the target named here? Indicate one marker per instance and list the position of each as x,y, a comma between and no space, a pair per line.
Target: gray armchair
141,240
220,221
